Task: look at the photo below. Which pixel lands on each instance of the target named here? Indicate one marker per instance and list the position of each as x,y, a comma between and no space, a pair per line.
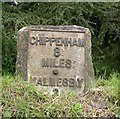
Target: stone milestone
55,58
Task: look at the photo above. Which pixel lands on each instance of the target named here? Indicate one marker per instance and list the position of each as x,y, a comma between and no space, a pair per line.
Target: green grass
111,88
21,99
110,85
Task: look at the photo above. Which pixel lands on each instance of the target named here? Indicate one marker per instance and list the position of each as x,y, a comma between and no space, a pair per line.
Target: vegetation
22,99
101,18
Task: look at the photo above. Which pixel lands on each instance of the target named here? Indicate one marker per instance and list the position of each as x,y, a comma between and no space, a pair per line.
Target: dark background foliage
101,18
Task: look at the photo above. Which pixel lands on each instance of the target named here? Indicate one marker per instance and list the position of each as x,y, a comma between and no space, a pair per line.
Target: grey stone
56,58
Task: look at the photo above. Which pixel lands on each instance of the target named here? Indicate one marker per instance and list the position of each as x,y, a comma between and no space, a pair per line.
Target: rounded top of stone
69,28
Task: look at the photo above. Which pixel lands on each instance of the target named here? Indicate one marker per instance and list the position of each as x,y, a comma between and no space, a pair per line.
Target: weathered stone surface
55,58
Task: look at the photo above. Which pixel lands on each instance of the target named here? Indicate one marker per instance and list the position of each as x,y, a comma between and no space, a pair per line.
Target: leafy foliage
101,18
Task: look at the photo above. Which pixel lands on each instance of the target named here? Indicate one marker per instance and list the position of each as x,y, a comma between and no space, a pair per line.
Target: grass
111,89
110,85
21,99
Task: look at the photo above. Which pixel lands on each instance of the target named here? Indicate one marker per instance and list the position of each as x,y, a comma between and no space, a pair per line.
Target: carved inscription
57,61
38,40
65,82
